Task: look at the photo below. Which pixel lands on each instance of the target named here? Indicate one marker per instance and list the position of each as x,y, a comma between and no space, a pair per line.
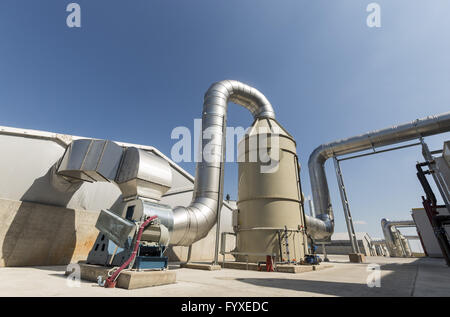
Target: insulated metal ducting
136,172
323,226
193,222
394,238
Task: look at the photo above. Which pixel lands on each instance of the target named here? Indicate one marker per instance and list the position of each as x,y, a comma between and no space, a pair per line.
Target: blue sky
137,69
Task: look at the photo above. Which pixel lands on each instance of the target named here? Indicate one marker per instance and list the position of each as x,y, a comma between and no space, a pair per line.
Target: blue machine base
151,262
312,259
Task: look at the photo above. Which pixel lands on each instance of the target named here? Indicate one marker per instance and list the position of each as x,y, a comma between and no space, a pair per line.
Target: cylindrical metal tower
270,214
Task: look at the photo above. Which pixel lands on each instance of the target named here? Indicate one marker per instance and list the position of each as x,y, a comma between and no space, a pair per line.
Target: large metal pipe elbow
400,133
320,227
389,237
392,236
193,222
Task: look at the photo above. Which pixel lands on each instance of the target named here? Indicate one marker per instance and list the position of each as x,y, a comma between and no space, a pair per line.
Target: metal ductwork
193,222
394,238
323,227
136,172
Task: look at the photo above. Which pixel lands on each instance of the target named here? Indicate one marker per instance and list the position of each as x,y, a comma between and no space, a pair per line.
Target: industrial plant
114,215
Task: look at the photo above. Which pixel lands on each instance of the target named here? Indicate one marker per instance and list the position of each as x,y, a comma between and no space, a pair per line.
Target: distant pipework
323,226
395,241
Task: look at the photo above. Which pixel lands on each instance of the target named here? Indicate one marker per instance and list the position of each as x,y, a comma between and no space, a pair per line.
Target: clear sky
137,69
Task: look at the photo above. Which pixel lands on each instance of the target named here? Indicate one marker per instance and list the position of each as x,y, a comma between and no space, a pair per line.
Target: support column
355,255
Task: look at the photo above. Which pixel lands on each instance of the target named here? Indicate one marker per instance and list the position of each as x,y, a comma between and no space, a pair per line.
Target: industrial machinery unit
142,178
270,222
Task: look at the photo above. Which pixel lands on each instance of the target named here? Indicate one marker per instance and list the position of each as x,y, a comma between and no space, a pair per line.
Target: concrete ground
399,277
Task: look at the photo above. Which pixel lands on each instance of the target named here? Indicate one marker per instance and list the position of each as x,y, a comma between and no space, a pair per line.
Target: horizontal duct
316,164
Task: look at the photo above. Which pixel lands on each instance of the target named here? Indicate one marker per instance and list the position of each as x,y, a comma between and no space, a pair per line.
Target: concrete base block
128,279
301,268
294,268
200,266
242,266
283,268
357,258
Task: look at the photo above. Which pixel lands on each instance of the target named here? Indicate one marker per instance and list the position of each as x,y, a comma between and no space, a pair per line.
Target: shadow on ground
396,280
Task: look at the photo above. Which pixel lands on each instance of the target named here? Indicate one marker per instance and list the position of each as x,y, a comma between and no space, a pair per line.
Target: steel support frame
343,193
346,207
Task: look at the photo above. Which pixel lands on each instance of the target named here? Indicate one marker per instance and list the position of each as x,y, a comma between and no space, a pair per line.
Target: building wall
37,234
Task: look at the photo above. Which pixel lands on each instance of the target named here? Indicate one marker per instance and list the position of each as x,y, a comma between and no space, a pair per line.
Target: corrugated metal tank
269,201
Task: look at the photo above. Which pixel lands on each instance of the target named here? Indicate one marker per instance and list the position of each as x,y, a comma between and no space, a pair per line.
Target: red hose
111,281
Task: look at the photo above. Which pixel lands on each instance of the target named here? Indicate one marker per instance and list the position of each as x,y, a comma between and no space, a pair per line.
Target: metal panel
85,160
144,174
446,153
115,228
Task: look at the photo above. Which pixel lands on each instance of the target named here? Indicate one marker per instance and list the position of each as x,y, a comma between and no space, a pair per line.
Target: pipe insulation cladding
323,230
193,222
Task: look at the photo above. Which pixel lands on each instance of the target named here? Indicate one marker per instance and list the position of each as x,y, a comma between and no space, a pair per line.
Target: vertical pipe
220,196
396,134
193,222
312,212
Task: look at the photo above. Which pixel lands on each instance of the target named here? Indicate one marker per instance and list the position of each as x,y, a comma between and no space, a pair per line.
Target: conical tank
270,216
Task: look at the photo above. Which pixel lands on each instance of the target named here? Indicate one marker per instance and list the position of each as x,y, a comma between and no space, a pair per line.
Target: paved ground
399,277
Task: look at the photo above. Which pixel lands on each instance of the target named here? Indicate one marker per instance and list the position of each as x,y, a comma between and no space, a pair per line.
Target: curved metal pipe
193,222
319,228
321,197
392,240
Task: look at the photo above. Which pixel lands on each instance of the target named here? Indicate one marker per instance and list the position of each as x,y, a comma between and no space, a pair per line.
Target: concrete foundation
282,268
399,277
200,266
127,279
357,258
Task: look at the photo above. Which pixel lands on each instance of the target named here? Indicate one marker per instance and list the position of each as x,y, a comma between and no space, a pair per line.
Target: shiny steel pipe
193,222
389,230
319,228
396,134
